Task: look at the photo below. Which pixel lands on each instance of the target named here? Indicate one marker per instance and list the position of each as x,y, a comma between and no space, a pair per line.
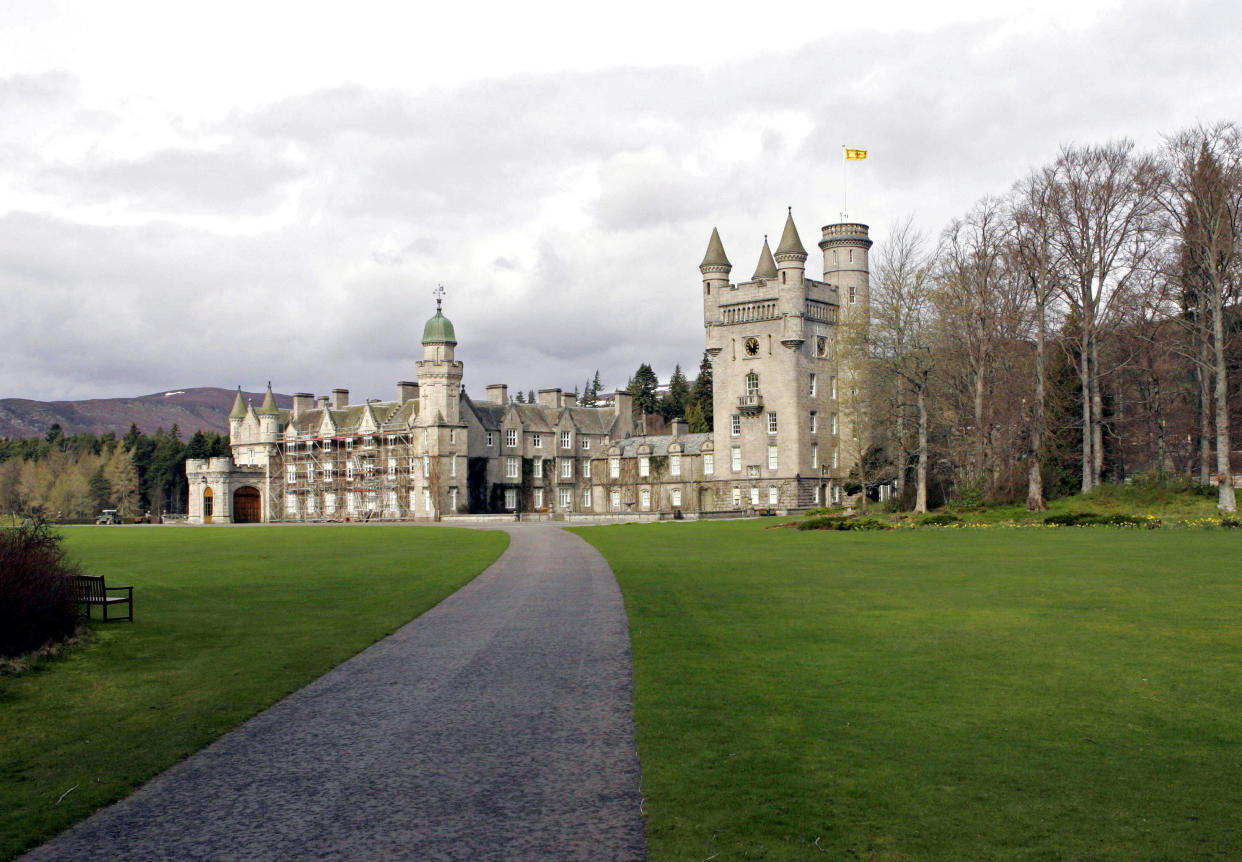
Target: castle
775,344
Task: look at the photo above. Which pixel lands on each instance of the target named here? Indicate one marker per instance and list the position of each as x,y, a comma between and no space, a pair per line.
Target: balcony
751,402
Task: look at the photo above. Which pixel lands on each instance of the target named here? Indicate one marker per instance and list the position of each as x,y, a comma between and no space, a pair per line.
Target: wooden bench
91,590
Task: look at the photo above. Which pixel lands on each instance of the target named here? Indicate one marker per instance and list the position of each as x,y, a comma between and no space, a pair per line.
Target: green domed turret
239,406
439,330
268,407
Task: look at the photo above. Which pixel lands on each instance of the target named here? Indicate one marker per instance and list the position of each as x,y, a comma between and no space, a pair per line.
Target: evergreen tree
520,398
530,397
643,387
673,405
590,395
198,447
123,481
699,402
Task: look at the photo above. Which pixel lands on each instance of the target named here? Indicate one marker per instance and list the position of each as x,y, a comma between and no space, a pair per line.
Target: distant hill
205,408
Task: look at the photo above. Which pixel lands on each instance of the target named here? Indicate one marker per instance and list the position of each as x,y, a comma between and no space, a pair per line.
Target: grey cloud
224,181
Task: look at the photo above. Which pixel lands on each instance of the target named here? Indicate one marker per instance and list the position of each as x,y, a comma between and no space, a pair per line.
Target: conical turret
715,259
239,406
767,266
268,407
791,244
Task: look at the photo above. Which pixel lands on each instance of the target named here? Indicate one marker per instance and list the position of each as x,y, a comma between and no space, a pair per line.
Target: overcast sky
250,191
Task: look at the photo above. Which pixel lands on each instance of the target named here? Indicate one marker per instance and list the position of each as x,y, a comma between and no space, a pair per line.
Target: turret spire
269,402
715,252
791,243
239,406
767,266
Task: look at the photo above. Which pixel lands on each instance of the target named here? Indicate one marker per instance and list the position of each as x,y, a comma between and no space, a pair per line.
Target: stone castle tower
775,343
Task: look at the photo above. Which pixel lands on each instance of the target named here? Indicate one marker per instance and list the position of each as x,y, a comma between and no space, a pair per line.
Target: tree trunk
1034,474
1204,379
980,457
920,501
1097,419
1226,499
1084,378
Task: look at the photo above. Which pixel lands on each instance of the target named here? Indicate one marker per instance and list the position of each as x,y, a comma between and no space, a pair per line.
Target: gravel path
496,726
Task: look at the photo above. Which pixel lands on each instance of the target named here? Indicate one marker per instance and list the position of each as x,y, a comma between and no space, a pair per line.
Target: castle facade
778,366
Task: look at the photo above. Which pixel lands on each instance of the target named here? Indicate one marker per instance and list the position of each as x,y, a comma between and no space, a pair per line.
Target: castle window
832,423
327,469
836,457
645,496
586,499
814,456
773,495
426,466
566,443
291,503
510,436
424,438
821,346
644,466
427,501
735,425
586,469
737,459
310,472
292,473
392,499
567,468
510,498
709,463
372,502
538,498
329,503
851,255
615,501
752,383
614,468
832,387
836,494
737,498
311,504
815,495
369,468
782,278
392,440
453,499
754,496
349,469
351,502
349,443
565,498
771,423
452,466
851,294
511,469
536,440
675,497
452,435
490,438
392,467
538,465
772,456
814,422
812,385
586,442
327,445
674,465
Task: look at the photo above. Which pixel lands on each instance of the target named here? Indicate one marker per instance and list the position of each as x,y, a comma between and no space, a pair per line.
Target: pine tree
673,405
699,402
122,477
520,398
643,387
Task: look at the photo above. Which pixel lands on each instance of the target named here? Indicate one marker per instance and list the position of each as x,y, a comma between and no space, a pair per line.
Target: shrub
1230,523
1093,519
829,522
940,519
968,496
824,510
36,597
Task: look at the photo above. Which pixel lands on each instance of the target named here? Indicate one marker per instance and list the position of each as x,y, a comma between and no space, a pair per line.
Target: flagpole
845,194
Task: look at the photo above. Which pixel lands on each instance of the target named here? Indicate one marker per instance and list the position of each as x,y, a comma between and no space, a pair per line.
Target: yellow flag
855,155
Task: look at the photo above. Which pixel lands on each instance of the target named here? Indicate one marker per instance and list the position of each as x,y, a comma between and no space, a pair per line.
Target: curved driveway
498,725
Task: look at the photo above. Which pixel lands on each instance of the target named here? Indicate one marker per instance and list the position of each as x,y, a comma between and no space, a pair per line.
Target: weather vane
439,295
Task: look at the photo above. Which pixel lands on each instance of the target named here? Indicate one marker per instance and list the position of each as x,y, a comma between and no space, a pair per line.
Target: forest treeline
75,476
1080,328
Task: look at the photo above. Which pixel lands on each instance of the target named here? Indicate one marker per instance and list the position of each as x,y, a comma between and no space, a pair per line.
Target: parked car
108,516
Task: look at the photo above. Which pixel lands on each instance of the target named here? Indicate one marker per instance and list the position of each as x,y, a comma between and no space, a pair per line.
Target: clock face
752,347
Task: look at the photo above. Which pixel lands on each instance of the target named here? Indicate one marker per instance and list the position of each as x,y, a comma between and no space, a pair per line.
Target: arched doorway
246,506
207,505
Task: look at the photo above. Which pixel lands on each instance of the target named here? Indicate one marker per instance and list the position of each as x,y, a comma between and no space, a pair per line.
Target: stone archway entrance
207,505
247,509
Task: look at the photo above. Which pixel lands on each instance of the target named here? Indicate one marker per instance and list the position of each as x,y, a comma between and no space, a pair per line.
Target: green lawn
228,621
935,694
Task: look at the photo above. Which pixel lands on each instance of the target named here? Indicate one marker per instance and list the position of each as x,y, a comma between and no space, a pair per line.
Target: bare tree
1032,253
902,331
1103,209
1202,195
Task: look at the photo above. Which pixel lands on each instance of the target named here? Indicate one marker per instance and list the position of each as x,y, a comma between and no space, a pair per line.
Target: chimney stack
549,397
302,401
679,427
340,399
498,393
568,399
407,391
